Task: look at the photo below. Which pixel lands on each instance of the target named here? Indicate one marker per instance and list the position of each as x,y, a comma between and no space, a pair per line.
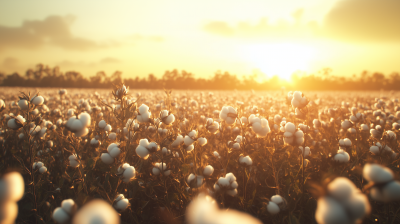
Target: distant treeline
44,76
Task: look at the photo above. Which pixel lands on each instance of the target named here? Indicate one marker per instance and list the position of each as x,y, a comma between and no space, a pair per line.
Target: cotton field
198,157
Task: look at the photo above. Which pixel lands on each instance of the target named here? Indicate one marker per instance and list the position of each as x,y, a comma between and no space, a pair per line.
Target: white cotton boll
178,141
290,127
21,136
82,133
223,182
202,141
121,204
76,125
236,146
364,127
37,100
341,188
358,206
11,124
23,104
143,109
330,211
12,187
144,142
306,151
374,149
111,146
112,136
106,158
230,177
391,134
246,160
277,199
152,146
232,192
142,152
273,208
42,169
129,173
155,171
69,206
391,192
60,216
145,117
191,177
73,163
189,148
188,140
102,124
208,170
377,173
347,142
108,128
96,211
169,120
114,152
85,119
342,156
346,124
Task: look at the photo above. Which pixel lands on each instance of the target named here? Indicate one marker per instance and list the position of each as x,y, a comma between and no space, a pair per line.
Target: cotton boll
374,149
155,171
42,169
108,128
277,199
112,136
341,188
358,206
223,182
246,160
37,100
114,152
143,109
202,141
230,177
342,156
12,187
129,173
330,211
82,132
232,192
390,192
188,140
142,152
273,208
73,163
377,173
290,127
106,158
60,216
121,204
208,170
234,184
23,104
347,142
95,212
69,206
102,124
144,142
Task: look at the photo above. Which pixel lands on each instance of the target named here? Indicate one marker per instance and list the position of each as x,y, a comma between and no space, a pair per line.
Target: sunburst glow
282,59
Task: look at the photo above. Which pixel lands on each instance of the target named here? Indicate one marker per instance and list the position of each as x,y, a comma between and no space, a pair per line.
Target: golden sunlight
282,59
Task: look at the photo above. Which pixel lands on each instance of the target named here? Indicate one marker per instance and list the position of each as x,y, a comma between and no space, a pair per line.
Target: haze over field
242,37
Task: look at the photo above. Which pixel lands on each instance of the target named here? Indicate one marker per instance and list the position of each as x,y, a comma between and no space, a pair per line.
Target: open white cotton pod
96,211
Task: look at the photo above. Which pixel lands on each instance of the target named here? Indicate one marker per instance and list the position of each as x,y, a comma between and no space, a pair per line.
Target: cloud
73,64
347,21
363,20
262,29
54,30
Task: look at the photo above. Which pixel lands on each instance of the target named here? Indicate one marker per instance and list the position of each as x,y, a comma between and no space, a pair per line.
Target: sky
266,37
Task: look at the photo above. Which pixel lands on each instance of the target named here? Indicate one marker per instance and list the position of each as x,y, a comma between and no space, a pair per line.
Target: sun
281,59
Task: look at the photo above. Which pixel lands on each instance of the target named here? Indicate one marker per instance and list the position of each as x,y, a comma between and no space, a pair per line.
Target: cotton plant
378,148
376,132
145,147
383,187
236,144
345,143
64,213
297,99
195,181
343,202
341,156
305,151
166,117
16,123
227,185
113,152
245,161
178,141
